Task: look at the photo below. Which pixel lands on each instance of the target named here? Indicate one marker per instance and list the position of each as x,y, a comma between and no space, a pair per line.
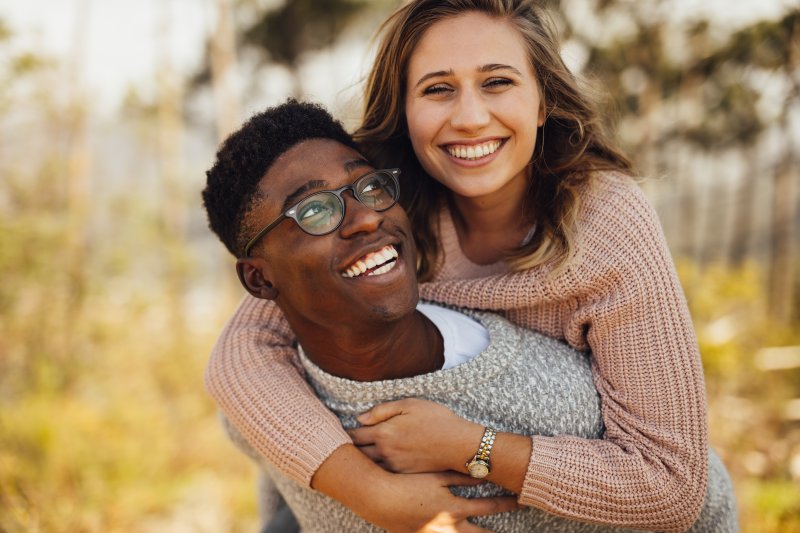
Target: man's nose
358,218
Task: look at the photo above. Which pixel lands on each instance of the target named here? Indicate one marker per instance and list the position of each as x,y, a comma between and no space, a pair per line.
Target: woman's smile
473,105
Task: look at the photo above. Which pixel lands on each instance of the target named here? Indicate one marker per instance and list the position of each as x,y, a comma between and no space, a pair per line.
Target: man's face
319,279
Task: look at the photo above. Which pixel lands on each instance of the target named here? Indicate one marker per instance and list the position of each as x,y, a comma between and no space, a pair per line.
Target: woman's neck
489,228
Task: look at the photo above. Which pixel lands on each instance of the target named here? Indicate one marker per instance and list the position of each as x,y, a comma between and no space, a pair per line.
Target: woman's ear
251,275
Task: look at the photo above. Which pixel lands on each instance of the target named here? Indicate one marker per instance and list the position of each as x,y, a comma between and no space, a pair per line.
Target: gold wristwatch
479,466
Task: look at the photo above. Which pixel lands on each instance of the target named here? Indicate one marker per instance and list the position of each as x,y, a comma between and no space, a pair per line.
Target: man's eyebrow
300,192
355,164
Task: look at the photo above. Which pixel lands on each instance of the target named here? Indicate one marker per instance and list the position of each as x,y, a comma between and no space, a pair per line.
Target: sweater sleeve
622,300
263,395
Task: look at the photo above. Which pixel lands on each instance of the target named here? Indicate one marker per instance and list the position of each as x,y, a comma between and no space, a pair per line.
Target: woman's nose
358,218
471,112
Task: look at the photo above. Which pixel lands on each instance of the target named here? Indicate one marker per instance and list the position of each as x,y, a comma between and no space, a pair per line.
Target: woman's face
473,106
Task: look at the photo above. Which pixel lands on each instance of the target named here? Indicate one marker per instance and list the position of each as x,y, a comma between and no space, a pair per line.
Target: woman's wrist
464,446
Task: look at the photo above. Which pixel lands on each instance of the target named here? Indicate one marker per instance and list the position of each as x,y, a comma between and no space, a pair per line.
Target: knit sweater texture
620,298
523,383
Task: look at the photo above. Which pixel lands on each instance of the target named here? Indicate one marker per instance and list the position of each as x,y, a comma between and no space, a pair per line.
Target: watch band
480,466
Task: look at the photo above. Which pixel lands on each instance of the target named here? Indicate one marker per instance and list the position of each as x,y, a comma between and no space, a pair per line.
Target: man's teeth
473,151
384,259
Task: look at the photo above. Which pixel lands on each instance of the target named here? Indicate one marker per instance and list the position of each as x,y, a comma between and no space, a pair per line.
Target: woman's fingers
381,412
371,452
492,505
469,527
454,479
362,436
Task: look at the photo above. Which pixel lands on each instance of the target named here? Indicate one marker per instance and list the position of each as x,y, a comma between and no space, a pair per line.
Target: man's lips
472,152
373,263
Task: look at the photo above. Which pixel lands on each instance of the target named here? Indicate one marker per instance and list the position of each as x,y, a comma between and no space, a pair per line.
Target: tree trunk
782,265
223,71
169,120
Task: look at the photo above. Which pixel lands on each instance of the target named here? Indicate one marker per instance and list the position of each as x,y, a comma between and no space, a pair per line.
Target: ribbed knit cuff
542,470
316,451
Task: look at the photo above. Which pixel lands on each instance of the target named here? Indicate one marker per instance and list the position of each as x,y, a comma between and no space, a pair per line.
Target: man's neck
408,347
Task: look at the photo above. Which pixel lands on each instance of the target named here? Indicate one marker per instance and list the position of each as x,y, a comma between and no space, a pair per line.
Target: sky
122,41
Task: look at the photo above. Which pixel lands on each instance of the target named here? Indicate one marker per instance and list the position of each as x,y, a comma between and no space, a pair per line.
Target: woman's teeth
384,259
473,151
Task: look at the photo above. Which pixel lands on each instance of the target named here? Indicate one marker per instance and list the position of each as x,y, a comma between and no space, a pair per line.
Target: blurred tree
705,102
223,64
286,33
169,155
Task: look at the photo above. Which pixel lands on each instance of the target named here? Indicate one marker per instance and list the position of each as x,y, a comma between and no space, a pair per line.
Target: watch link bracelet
479,466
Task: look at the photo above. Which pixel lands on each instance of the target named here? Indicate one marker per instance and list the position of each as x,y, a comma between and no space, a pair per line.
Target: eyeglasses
322,212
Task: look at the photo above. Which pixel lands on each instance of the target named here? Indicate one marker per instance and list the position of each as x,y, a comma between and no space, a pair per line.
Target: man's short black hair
247,154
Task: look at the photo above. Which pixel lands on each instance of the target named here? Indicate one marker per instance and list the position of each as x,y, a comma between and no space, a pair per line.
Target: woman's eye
497,83
439,88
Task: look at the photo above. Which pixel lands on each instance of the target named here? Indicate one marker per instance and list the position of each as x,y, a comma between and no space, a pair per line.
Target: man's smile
373,263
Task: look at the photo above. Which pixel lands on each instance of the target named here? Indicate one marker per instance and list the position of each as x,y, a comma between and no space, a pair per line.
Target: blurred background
113,290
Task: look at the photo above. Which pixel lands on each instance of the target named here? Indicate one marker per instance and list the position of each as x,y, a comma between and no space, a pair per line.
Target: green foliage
300,26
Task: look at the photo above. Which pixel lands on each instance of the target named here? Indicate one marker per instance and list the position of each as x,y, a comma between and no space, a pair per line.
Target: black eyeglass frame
291,213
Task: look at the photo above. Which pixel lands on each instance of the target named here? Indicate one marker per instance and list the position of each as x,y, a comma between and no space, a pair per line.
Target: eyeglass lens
322,212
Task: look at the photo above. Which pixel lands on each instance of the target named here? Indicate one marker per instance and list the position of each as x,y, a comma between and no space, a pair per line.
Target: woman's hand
403,502
424,503
413,435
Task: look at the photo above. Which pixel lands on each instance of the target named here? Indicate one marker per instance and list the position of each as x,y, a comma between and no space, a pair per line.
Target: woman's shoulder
617,224
614,202
608,191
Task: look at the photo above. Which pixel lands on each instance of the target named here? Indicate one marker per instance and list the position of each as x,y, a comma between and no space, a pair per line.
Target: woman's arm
623,300
403,502
414,435
252,377
273,415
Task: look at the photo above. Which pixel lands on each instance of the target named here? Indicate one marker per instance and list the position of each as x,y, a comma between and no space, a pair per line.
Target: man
342,271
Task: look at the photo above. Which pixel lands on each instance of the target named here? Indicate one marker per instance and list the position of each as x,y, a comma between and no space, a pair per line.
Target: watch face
478,469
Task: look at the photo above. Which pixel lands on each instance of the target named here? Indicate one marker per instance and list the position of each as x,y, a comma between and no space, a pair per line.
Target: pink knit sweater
620,298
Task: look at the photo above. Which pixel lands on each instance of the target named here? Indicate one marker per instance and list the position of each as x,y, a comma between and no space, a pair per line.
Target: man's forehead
312,158
308,165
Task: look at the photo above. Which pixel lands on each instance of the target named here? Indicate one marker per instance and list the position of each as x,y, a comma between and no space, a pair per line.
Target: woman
520,205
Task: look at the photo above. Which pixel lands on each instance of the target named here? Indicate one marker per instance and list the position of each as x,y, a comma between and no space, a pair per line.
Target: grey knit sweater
523,383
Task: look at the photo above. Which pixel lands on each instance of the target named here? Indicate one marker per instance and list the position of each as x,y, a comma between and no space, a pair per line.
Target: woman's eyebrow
490,67
429,75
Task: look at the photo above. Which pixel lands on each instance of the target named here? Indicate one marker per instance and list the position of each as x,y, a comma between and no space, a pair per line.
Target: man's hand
403,502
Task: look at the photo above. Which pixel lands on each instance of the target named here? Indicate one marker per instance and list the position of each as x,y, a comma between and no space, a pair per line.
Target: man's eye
369,187
316,213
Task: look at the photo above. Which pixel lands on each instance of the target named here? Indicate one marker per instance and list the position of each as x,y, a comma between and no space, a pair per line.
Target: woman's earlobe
252,278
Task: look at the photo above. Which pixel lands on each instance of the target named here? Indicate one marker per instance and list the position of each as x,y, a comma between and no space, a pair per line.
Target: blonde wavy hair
570,147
